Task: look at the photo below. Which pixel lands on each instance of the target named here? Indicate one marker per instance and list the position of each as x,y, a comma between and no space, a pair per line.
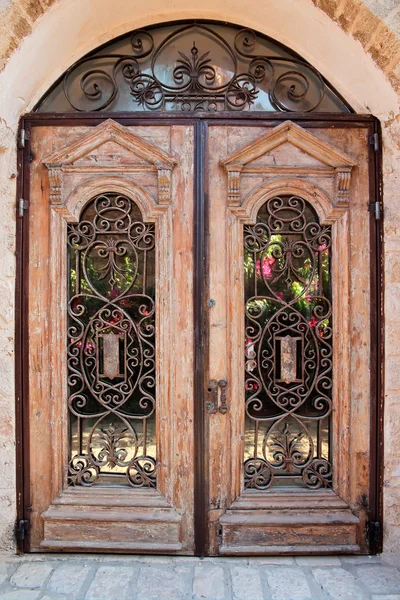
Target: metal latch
374,532
212,401
22,529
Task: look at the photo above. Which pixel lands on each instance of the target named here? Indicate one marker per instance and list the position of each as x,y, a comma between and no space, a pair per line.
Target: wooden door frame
200,122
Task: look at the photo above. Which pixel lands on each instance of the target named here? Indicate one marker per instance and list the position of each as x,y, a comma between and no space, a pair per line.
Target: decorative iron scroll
196,67
111,345
288,347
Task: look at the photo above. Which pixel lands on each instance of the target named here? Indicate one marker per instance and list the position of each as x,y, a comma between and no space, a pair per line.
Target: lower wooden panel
289,524
117,526
288,550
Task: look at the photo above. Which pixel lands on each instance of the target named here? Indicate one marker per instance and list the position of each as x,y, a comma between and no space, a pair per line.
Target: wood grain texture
259,165
240,522
110,158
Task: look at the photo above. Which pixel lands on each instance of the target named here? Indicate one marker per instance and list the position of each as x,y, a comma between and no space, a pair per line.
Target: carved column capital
343,181
234,185
55,181
164,185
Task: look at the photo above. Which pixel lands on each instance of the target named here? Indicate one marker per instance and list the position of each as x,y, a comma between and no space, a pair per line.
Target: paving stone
110,583
68,579
379,579
192,560
318,561
386,597
182,569
246,583
288,583
339,584
209,583
354,560
3,573
271,560
392,560
31,575
21,595
156,584
162,560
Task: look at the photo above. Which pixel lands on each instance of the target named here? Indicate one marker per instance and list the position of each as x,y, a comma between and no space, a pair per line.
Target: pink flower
313,322
266,267
251,386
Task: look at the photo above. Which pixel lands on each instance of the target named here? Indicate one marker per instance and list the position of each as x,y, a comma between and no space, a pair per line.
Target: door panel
288,468
119,297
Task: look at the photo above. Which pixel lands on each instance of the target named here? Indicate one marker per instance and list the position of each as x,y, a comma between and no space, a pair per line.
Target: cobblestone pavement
106,577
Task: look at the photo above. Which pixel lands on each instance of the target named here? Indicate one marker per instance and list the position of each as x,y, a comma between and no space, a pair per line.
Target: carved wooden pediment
291,151
109,149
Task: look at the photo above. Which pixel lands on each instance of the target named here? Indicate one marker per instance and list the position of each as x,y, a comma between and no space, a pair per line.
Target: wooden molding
330,162
293,134
327,212
71,207
63,170
106,132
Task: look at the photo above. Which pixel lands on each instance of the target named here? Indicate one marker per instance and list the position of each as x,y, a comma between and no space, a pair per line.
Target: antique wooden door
288,427
111,338
168,258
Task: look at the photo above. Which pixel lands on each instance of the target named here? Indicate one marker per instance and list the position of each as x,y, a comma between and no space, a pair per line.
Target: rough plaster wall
39,41
7,276
391,132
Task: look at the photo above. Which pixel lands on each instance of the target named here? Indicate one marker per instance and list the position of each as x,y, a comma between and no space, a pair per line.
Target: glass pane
288,348
192,67
111,345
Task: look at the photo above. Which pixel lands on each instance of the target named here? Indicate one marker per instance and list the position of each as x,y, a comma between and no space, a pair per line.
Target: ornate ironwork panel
288,347
111,345
193,66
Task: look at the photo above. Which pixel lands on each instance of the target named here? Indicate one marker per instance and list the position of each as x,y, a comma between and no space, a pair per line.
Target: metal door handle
223,407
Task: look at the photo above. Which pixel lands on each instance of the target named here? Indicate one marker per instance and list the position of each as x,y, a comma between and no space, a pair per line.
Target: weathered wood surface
255,165
90,161
162,521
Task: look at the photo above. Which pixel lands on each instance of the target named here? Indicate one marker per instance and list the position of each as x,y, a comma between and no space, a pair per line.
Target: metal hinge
374,141
375,207
23,137
22,205
374,532
22,529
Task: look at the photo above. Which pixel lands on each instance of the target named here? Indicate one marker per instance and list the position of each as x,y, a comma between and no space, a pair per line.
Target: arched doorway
199,233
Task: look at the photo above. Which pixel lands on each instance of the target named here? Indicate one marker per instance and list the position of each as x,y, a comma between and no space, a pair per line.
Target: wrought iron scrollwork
288,349
111,344
181,72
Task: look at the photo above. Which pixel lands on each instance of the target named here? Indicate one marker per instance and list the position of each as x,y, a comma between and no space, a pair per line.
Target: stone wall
391,132
354,44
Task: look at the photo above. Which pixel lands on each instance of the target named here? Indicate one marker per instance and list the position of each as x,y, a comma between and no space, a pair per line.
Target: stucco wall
354,44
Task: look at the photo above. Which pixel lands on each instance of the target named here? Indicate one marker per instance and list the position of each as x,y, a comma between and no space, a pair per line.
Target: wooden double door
198,325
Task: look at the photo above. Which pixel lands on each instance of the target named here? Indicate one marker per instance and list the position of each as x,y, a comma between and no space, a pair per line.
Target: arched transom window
193,66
